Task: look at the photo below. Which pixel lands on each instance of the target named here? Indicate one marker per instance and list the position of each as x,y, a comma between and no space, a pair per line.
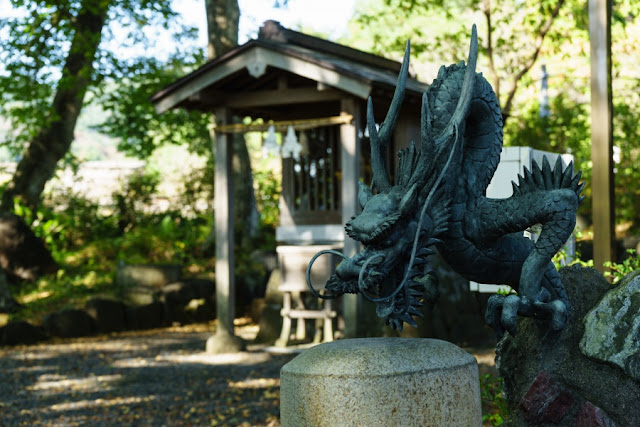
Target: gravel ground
160,377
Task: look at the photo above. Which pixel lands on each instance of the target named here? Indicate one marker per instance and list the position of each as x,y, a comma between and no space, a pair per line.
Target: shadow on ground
155,377
158,377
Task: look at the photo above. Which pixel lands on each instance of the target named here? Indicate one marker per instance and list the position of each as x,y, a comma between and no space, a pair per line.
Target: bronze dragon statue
439,201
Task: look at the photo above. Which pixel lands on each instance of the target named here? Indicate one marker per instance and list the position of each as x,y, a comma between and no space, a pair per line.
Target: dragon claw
558,312
502,312
509,316
544,295
493,314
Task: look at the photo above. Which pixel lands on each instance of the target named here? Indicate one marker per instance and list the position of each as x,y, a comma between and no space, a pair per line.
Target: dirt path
158,377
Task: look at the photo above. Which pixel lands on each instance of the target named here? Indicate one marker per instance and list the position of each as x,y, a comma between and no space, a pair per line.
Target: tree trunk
223,17
244,198
54,139
222,22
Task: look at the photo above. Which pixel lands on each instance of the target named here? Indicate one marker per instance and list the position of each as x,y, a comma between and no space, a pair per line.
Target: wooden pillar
224,340
350,166
602,133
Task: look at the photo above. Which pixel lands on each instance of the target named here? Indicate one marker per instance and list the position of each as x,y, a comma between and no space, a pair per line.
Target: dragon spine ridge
439,202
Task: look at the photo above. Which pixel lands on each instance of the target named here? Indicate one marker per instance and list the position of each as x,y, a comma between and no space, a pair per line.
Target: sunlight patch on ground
36,368
218,359
29,298
27,356
248,332
255,383
138,362
102,344
203,358
99,403
56,382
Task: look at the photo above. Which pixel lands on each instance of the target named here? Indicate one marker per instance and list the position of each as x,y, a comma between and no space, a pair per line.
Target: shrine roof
315,69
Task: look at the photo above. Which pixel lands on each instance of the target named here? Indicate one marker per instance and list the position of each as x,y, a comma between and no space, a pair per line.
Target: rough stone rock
199,310
612,328
268,259
69,323
272,294
189,300
20,332
174,313
142,295
270,324
178,293
590,415
108,314
546,401
203,288
535,348
145,316
205,312
153,276
189,289
255,309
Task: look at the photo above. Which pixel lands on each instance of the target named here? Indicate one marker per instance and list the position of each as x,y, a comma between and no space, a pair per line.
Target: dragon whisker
361,283
362,286
308,273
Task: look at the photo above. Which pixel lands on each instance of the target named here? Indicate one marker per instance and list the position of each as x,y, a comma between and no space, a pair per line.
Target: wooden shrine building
319,89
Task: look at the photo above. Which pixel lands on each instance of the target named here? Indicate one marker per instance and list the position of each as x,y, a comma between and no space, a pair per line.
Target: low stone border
186,301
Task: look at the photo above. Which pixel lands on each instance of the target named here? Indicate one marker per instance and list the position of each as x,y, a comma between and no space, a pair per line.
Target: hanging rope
283,125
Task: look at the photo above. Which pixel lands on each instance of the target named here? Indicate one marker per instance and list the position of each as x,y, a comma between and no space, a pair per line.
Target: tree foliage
133,119
34,48
511,34
54,53
516,37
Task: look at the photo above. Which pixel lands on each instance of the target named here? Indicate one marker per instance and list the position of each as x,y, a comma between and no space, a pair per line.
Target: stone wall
184,301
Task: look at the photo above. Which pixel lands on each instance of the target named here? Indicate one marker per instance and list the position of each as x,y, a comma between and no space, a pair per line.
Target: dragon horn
433,151
466,92
380,139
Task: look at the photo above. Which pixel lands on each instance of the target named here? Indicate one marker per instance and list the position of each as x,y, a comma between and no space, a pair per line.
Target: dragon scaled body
438,201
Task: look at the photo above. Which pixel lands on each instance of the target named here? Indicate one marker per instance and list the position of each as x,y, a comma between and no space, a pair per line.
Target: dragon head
382,228
381,214
400,222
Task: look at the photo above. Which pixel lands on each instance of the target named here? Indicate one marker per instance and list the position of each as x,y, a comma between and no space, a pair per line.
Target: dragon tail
545,178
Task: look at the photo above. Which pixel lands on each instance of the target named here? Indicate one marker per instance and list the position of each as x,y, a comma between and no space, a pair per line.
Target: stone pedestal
381,382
